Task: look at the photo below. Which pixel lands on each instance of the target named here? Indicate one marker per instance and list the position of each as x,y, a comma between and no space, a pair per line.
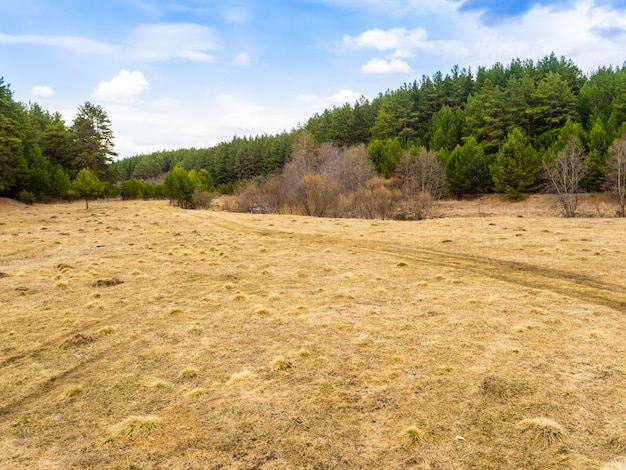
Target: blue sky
185,73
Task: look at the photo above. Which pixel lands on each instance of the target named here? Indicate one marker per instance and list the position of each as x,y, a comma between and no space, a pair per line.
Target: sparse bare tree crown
565,174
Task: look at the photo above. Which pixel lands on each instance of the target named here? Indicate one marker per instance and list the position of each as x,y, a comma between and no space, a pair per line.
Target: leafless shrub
421,180
317,195
377,199
275,194
350,168
247,197
201,199
565,173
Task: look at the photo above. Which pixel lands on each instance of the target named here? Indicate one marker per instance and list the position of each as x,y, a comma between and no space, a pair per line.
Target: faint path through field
567,283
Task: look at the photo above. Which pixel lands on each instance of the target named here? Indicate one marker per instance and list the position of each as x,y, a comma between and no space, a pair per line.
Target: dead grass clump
197,393
133,426
619,464
498,388
158,384
282,363
262,311
73,391
189,373
3,274
106,330
78,339
107,282
543,429
64,267
363,339
195,330
413,434
241,376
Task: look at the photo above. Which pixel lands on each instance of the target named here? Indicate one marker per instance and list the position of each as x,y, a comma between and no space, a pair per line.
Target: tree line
498,129
42,158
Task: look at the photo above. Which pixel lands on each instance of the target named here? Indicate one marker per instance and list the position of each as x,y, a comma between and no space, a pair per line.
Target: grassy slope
245,341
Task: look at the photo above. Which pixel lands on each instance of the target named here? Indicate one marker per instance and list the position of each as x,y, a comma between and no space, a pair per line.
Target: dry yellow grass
138,335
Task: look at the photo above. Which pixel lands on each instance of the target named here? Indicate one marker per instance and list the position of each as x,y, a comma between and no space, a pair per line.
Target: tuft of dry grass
73,391
133,426
282,363
543,429
241,376
189,373
413,435
619,464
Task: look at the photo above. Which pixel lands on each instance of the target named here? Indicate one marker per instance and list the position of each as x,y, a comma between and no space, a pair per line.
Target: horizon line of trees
494,130
436,113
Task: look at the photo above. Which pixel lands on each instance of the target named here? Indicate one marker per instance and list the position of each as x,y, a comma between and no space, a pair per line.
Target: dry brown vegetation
139,335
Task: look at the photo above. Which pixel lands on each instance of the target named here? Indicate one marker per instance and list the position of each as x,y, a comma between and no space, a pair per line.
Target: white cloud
171,124
384,67
344,96
42,91
121,89
72,43
162,41
149,42
402,41
319,102
402,44
572,33
242,59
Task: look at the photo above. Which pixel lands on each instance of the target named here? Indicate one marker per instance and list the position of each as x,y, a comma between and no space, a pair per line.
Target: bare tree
350,168
304,158
275,194
317,195
616,178
565,174
421,180
248,197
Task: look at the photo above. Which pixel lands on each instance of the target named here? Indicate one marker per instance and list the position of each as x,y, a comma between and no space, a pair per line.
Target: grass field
136,335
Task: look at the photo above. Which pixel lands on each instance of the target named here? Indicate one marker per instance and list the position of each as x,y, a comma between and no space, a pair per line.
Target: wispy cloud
162,41
336,99
148,42
72,43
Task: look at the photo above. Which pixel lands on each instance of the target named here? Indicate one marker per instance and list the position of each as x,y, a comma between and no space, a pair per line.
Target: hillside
139,335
